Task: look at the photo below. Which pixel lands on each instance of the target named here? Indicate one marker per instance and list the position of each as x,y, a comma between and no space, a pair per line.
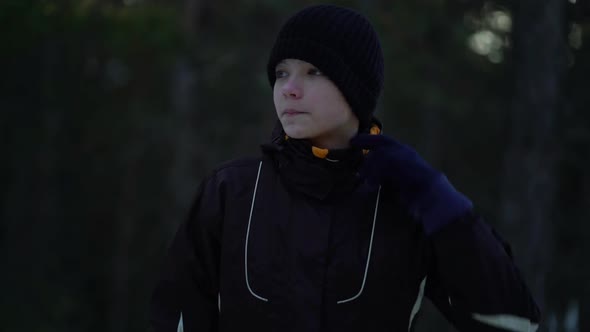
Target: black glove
426,193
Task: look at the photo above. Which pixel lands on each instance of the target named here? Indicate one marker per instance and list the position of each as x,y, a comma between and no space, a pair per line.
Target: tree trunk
529,181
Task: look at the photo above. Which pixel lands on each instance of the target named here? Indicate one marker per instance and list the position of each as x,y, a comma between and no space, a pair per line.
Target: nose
292,88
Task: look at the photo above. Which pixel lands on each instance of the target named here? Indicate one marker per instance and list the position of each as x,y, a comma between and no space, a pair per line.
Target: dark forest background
111,112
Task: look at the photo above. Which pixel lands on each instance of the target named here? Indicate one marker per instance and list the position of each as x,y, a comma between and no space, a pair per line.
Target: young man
335,227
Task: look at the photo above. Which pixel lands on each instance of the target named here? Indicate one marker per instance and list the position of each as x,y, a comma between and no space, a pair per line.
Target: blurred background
111,112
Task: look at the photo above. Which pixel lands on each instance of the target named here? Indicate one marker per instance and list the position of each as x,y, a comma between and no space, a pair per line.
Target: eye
315,72
280,73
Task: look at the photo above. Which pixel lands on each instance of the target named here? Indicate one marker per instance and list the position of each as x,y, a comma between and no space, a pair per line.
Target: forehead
293,62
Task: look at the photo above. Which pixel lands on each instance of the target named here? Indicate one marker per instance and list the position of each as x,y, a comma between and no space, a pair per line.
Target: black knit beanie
341,43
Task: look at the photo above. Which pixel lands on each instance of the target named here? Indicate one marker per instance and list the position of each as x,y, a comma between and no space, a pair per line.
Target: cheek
333,108
332,100
275,95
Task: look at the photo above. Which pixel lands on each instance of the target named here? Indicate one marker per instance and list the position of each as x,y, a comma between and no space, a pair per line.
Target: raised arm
473,280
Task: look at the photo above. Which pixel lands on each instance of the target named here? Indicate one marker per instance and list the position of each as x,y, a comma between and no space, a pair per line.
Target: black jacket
289,242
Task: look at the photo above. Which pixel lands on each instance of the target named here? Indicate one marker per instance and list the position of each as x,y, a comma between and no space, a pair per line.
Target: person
335,226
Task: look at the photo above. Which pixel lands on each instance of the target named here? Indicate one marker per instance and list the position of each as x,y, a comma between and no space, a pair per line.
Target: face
310,106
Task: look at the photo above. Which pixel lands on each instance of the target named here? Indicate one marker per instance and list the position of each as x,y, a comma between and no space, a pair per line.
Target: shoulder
236,172
237,165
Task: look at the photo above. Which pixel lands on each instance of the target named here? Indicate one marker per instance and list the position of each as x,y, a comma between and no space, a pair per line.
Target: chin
297,133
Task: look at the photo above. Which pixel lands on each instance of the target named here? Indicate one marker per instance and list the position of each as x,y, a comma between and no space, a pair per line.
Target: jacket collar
314,172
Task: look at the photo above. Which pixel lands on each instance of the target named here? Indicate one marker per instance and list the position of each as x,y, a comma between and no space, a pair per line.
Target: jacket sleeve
188,284
474,282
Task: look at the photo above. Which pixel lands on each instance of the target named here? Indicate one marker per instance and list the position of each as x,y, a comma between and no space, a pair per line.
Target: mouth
292,112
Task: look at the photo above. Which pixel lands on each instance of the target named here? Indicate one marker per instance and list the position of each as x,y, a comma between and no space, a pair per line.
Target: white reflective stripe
219,302
507,322
248,235
368,254
180,327
418,302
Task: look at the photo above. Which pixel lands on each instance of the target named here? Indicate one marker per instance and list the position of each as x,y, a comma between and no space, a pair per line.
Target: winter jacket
292,242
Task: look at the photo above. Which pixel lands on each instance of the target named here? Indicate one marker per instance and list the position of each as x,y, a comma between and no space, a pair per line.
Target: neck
331,142
330,145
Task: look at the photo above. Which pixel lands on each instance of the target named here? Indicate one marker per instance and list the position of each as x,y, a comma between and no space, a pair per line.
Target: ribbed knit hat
341,43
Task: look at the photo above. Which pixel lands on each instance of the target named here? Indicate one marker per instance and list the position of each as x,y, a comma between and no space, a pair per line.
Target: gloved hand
425,192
